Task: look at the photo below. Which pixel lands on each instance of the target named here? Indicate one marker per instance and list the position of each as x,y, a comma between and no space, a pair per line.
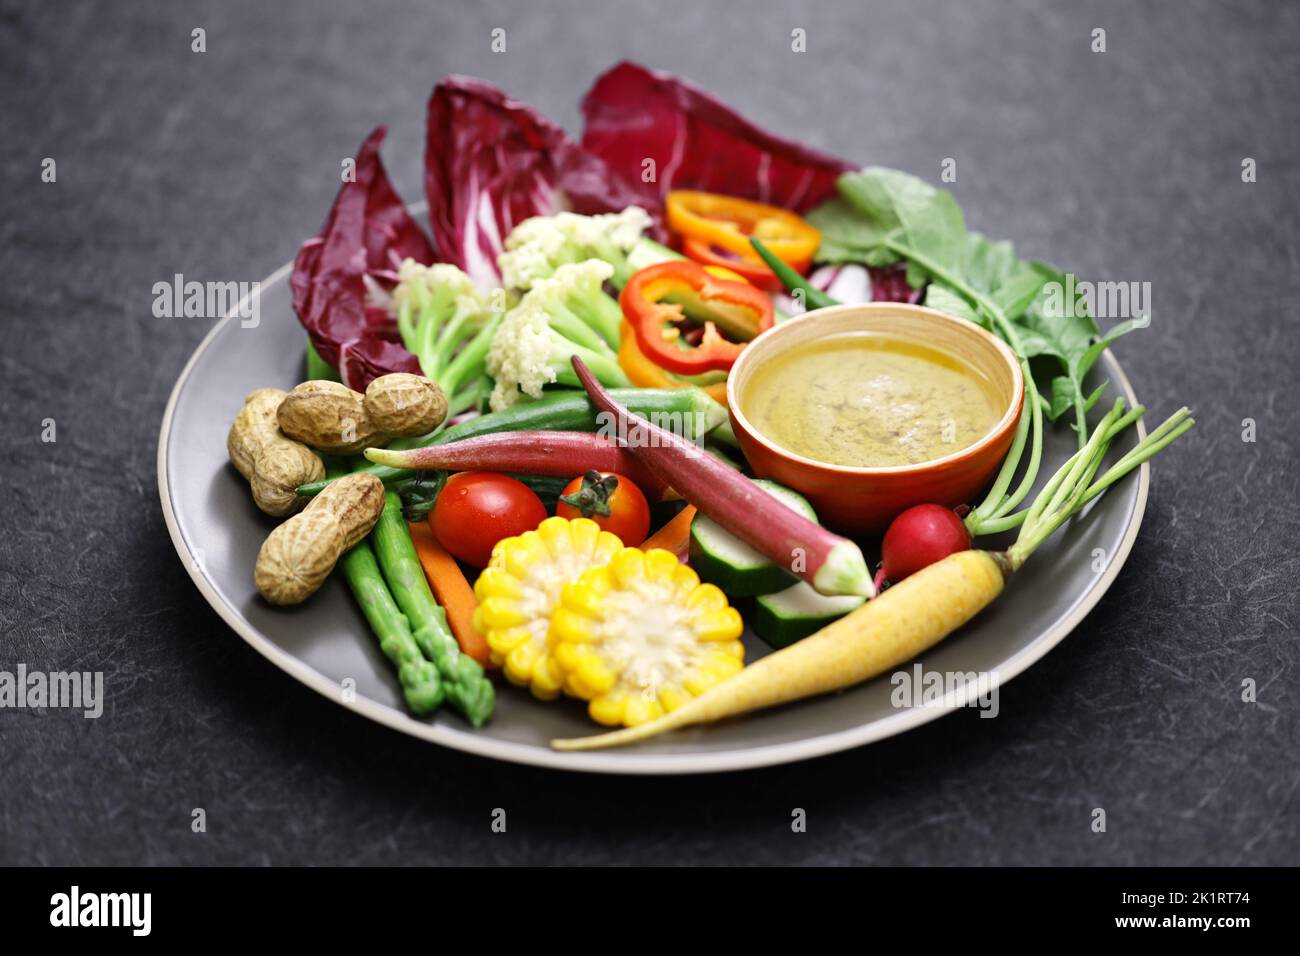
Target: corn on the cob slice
520,589
640,636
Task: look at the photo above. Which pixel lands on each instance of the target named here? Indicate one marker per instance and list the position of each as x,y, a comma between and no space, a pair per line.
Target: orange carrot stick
675,536
452,591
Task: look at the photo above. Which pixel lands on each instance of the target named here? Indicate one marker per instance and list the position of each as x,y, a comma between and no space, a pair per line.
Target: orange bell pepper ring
657,300
753,271
644,373
728,222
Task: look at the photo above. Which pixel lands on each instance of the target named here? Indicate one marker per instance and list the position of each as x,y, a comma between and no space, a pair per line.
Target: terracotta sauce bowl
864,500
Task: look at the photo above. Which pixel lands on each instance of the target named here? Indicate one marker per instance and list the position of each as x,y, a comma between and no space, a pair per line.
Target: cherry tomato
610,500
476,509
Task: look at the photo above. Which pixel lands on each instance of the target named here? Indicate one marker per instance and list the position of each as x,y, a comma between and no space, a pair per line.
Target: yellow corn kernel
607,709
548,679
594,675
706,597
556,536
670,697
628,567
586,595
607,545
721,665
661,565
566,655
519,555
698,680
724,624
687,581
639,709
520,662
584,534
495,582
569,625
498,612
504,640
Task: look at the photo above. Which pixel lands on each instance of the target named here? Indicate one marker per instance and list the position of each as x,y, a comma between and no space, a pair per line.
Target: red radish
558,454
831,564
920,536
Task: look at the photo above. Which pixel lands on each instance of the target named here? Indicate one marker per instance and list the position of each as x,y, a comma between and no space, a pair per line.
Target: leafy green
944,299
1067,332
847,236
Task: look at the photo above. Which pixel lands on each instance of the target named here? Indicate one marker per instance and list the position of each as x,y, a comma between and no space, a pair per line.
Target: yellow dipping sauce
866,400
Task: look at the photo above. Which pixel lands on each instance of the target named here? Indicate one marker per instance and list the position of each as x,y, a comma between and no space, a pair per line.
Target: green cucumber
674,408
721,558
787,616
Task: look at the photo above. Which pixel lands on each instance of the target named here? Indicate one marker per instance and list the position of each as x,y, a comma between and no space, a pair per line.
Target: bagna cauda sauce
867,400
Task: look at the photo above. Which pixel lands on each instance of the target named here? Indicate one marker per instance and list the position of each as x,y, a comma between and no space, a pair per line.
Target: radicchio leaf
889,284
491,162
696,142
367,234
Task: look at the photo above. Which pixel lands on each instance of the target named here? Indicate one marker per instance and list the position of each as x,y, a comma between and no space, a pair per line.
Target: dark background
1124,165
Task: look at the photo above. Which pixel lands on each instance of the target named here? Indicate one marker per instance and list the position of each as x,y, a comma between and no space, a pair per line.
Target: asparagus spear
467,687
421,685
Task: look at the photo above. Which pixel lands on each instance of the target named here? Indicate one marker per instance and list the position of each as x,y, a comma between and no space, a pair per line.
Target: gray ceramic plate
217,532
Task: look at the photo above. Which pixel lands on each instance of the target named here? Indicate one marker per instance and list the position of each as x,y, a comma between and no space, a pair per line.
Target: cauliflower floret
441,281
446,323
519,360
540,245
566,314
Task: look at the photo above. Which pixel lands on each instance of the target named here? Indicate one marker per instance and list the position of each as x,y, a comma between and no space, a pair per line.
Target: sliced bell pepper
727,222
754,271
646,374
656,300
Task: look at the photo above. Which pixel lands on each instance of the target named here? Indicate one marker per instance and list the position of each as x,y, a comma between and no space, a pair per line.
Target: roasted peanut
328,416
402,404
356,502
333,418
273,464
298,556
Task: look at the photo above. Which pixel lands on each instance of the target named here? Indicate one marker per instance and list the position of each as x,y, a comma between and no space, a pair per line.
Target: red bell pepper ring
657,299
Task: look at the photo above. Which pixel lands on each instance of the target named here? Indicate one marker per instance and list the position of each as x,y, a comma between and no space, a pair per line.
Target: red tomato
612,501
476,509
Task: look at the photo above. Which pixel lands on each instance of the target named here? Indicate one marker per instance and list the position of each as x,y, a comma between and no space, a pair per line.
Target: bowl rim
995,433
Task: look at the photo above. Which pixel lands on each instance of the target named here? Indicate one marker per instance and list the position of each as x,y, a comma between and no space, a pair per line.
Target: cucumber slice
787,616
721,558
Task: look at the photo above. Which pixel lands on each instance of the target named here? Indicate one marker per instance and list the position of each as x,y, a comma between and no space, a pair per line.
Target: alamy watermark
36,690
74,908
922,688
182,299
634,433
1102,300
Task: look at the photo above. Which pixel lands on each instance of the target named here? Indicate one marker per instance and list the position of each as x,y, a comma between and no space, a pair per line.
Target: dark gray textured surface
1123,165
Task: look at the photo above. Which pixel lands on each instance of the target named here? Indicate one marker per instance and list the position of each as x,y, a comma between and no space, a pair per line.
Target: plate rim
623,761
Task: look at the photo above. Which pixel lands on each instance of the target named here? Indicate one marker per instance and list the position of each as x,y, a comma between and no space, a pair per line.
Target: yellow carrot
910,617
914,614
